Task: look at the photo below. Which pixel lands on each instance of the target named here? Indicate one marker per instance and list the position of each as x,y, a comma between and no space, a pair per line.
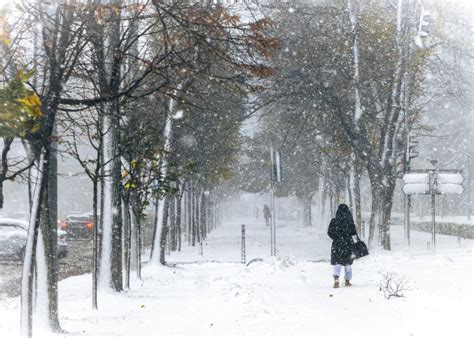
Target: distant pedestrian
343,233
267,214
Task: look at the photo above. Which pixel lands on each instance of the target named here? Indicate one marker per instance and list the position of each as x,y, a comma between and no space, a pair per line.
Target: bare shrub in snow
393,285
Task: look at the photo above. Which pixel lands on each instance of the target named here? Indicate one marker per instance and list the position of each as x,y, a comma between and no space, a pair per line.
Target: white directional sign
453,178
416,189
433,182
449,189
416,178
416,183
446,182
449,183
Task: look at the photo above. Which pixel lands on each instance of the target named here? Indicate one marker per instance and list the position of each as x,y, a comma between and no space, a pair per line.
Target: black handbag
359,249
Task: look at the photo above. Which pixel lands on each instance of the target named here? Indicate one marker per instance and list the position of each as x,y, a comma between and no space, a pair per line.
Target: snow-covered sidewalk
290,295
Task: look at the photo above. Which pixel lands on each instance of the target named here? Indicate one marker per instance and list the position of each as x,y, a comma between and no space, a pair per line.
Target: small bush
393,285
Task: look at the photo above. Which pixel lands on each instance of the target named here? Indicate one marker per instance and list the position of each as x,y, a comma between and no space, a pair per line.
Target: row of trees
157,90
349,91
149,97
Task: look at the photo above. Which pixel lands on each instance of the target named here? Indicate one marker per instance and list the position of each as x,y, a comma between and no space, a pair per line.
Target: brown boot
336,282
348,283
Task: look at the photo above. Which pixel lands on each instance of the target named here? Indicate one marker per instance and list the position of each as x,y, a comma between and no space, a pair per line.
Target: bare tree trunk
337,197
111,247
169,108
7,142
358,111
203,215
193,215
376,194
386,213
197,214
126,242
387,204
137,237
173,232
208,213
331,201
29,265
373,213
324,196
156,220
164,229
357,200
117,278
354,191
95,243
178,221
307,219
111,253
189,213
49,230
211,211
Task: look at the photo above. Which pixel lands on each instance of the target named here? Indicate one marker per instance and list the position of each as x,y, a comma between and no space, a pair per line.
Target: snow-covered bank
447,219
289,295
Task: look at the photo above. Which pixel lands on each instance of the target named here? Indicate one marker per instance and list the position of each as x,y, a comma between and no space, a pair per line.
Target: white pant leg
348,272
337,270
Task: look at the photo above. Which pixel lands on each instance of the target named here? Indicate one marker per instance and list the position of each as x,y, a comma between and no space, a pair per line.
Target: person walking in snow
343,233
267,214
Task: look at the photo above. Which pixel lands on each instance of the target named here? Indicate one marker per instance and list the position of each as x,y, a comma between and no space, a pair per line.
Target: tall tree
358,67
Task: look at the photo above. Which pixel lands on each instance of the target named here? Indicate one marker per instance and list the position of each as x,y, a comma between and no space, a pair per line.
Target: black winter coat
341,233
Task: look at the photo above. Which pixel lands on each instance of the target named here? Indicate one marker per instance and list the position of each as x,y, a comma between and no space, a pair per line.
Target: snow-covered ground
290,295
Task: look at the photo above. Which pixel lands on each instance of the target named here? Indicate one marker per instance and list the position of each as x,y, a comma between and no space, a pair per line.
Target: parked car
13,233
78,226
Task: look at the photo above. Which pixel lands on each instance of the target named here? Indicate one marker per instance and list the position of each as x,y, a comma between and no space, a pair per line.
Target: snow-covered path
297,242
291,295
224,244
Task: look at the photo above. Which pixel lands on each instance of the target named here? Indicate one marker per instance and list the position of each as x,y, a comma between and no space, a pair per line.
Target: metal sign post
410,154
433,210
272,222
433,182
242,252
